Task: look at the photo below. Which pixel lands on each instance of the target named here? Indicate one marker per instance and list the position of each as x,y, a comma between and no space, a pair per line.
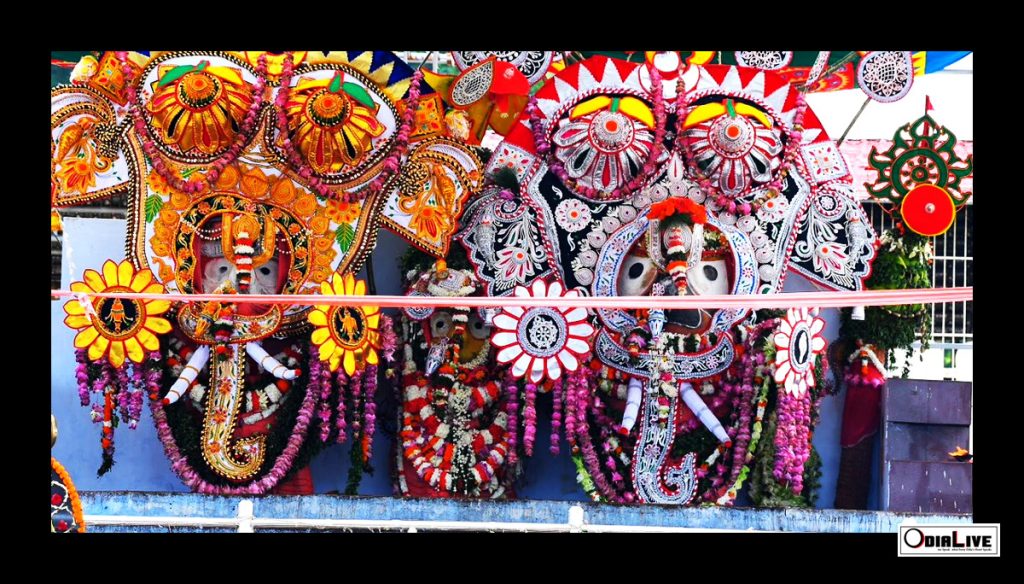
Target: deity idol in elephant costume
246,173
717,184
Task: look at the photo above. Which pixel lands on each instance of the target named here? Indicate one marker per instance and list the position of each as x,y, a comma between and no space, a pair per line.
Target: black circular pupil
223,269
636,270
711,272
265,271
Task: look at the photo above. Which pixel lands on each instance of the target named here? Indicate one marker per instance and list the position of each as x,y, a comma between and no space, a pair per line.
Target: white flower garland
868,352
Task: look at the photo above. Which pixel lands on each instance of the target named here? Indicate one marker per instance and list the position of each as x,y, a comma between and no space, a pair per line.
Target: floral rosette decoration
346,335
799,341
114,328
333,121
200,107
542,341
115,338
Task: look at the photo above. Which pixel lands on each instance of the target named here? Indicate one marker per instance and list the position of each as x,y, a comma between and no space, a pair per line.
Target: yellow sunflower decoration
333,122
118,327
200,107
347,335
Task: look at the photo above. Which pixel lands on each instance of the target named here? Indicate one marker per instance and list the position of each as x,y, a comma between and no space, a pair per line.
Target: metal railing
245,521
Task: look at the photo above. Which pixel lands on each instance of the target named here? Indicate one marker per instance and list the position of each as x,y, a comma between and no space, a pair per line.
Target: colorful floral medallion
346,335
114,328
199,108
541,341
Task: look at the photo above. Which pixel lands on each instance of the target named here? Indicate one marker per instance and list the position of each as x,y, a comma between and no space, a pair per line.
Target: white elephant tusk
634,392
693,401
261,356
188,374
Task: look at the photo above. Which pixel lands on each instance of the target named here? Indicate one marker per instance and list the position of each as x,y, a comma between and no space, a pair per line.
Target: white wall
952,96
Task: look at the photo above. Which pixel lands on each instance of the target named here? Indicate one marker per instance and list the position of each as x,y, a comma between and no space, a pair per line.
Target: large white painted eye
216,271
265,278
709,277
440,324
477,327
636,276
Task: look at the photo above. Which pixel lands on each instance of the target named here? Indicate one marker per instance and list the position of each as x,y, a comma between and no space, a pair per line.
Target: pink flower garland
369,410
340,382
512,407
104,386
82,376
751,359
389,340
189,476
570,411
578,395
557,393
392,164
582,384
316,383
530,418
135,405
579,384
792,439
358,405
723,201
245,131
545,148
124,393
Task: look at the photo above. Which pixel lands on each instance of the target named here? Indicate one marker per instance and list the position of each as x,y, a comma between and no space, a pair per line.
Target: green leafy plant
902,262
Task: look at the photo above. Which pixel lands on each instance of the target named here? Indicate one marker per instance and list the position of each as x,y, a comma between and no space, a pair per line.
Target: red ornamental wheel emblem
928,210
541,341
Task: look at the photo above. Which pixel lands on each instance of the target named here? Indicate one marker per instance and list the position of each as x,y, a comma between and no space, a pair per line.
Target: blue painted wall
142,466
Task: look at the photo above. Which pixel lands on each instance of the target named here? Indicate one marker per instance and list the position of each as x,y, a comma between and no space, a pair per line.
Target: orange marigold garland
674,213
57,524
681,206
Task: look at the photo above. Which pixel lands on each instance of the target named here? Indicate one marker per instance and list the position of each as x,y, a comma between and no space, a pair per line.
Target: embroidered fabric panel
505,243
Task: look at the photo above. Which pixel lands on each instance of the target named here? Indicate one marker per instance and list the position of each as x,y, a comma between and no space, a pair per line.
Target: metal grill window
952,322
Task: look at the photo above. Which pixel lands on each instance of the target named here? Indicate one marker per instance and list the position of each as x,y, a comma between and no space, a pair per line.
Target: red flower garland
678,206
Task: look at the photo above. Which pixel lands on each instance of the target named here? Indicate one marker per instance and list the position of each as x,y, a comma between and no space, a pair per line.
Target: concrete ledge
178,505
